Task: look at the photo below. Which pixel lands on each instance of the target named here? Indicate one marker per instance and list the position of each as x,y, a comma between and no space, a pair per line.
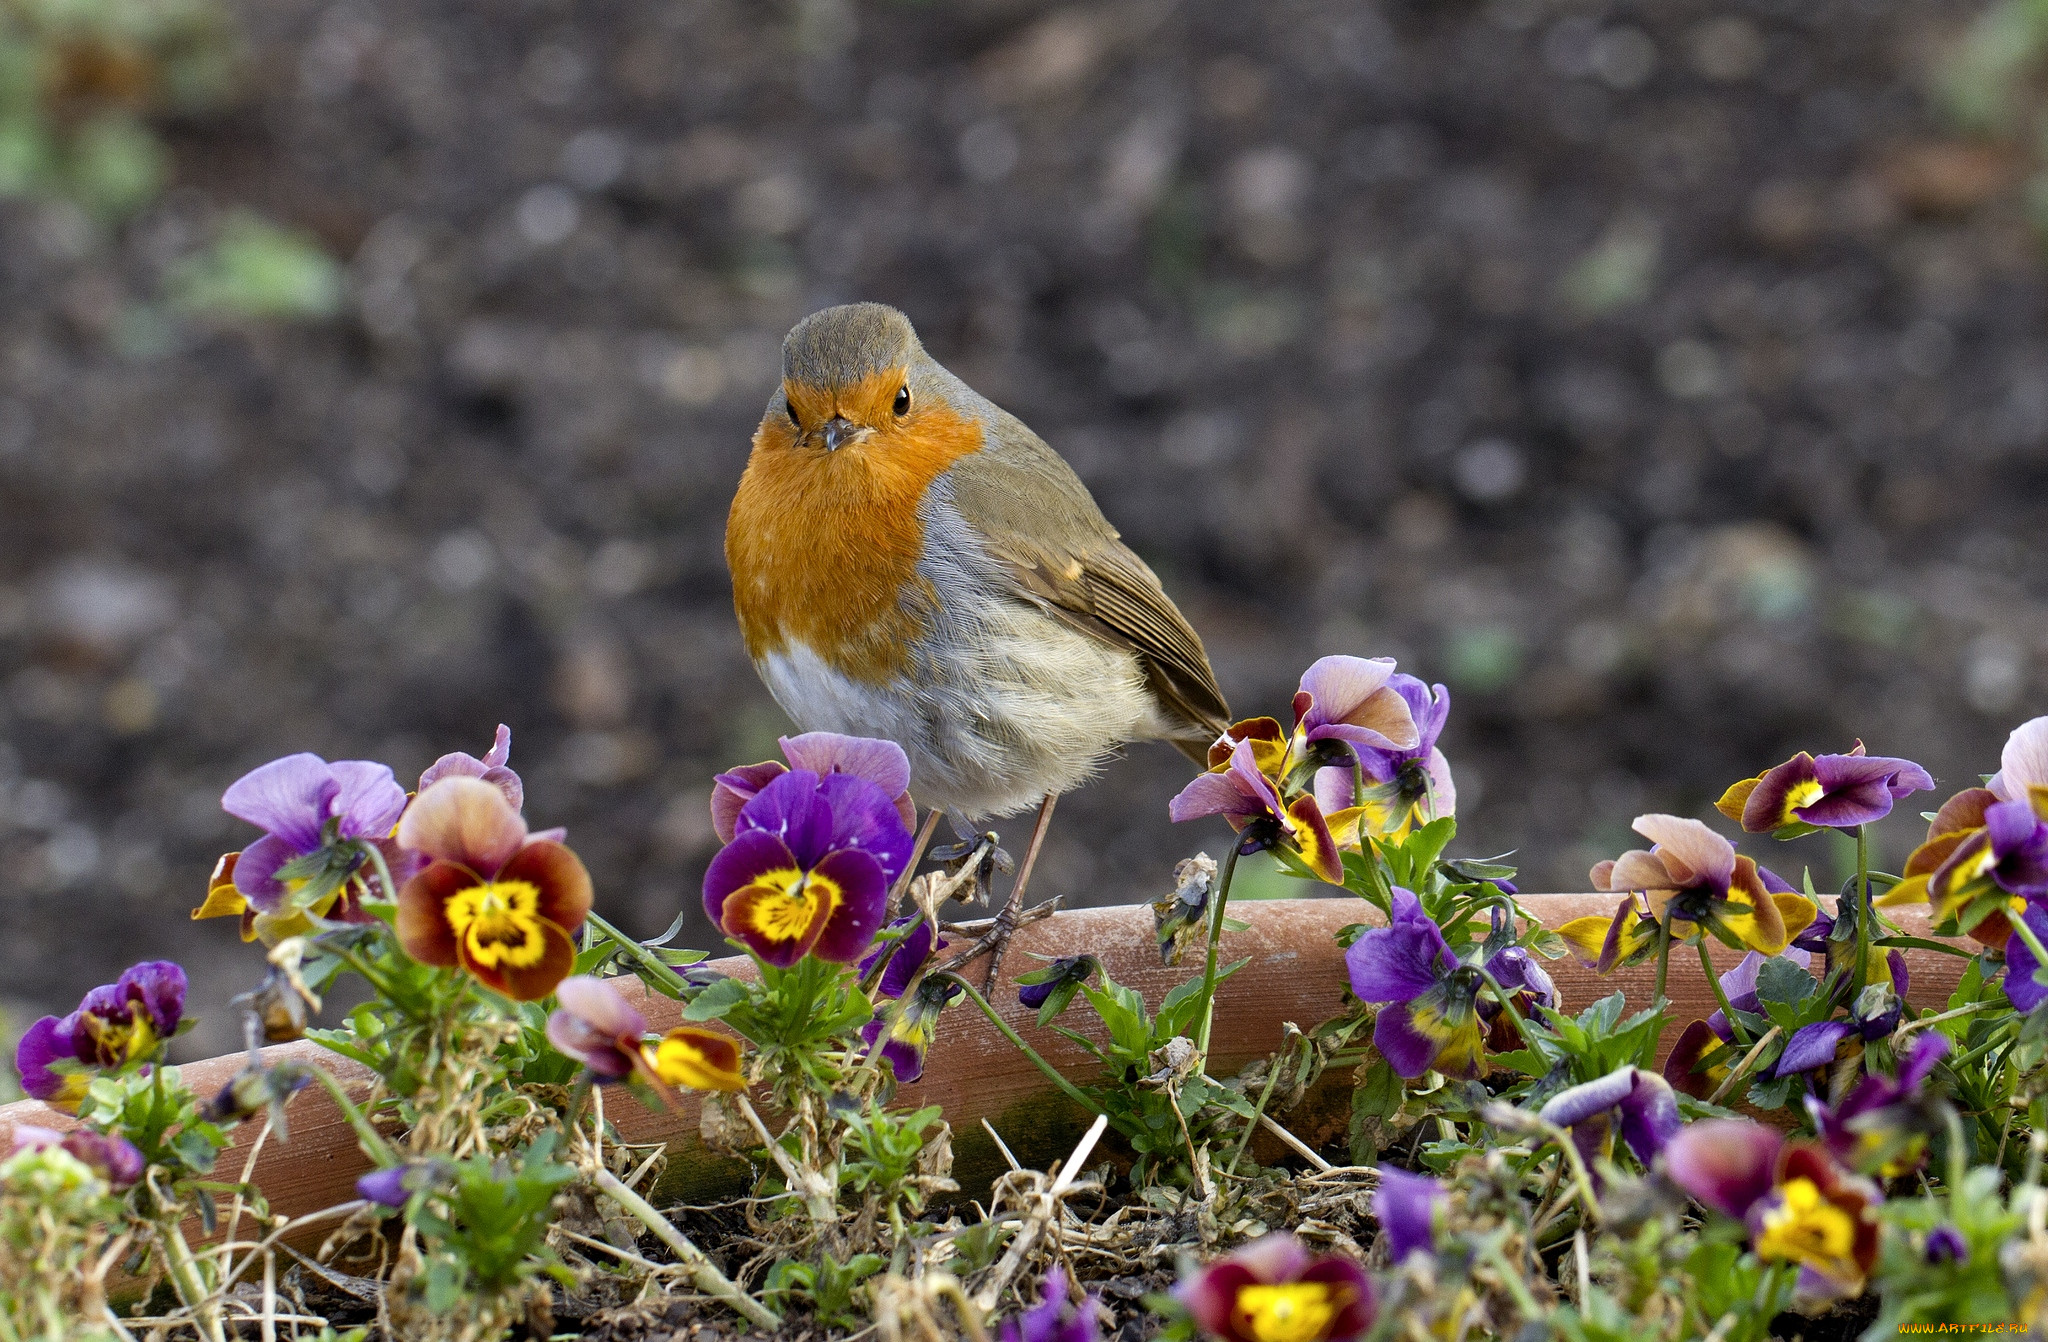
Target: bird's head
853,374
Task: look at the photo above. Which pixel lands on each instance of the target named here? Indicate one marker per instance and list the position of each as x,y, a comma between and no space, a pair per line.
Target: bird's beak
838,432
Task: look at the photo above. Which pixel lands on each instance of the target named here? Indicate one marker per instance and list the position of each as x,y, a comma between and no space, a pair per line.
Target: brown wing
1035,515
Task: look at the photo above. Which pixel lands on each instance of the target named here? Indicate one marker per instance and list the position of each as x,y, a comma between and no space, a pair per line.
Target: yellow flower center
1296,1311
1800,794
786,904
499,923
1807,1228
698,1059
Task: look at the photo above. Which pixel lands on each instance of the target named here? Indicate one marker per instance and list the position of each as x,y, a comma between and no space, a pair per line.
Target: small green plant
835,1292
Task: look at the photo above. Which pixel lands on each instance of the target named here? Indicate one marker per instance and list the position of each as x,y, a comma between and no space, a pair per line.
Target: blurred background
1669,379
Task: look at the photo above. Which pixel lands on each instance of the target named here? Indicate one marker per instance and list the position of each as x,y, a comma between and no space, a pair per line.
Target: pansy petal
43,1043
1210,1296
2020,965
369,799
560,877
1726,1163
530,983
864,816
422,925
733,789
701,1059
1692,853
1736,798
1587,936
1639,870
1813,1046
1771,803
793,808
1312,839
2024,761
882,763
863,897
739,864
600,1005
1405,1206
463,820
1348,1282
1406,1050
1211,794
1401,961
287,797
1682,1069
1649,1116
256,872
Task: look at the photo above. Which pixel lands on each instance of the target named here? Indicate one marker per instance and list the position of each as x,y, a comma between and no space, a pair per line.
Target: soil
1667,378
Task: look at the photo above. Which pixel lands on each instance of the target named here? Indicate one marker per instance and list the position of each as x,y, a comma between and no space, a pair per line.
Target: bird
911,561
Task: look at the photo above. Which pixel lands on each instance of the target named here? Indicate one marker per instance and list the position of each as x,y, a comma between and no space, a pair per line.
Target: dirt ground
1670,379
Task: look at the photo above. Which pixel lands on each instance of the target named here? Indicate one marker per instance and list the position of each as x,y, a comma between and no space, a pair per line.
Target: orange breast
824,546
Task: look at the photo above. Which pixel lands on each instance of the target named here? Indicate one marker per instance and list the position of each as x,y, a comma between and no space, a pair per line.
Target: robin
911,561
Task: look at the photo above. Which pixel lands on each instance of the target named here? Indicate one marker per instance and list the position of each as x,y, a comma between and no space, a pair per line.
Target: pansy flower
1055,1318
1982,859
1275,1290
316,817
1405,1206
1430,1020
910,1034
1825,791
115,1024
1691,874
1638,1104
2023,763
809,868
1351,703
1243,795
882,763
493,768
1528,984
1799,1204
114,1158
1882,1126
599,1028
498,901
1408,787
1047,991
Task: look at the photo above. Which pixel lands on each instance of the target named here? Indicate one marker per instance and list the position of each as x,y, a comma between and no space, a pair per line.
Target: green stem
1861,973
376,856
1663,957
1958,1162
652,963
1217,903
374,1145
1067,1087
1272,1075
1721,996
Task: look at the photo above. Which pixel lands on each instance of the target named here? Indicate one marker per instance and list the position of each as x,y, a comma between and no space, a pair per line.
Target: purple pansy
1405,1206
1055,1318
115,1024
1526,981
1350,702
598,1028
809,868
1815,1045
492,768
304,804
911,1033
1242,794
116,1159
1703,1037
1640,1103
1945,1244
385,1187
1431,1019
2022,989
1882,1125
1831,791
882,763
1067,973
1407,785
1275,1288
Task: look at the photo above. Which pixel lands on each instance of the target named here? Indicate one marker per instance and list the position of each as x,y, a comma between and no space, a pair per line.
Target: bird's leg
998,935
924,838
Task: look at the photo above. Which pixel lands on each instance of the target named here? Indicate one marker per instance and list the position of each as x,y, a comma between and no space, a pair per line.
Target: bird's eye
790,410
902,406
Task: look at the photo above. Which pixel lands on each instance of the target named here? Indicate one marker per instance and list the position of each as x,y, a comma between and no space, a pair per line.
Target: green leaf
1779,980
717,1000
